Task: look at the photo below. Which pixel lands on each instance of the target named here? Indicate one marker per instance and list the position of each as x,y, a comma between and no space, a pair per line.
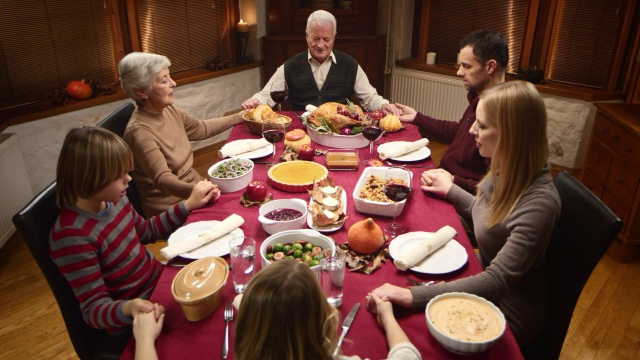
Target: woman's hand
436,181
202,193
407,114
395,294
147,326
381,308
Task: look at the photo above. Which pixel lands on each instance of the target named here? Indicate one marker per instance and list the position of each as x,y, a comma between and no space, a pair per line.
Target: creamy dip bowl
464,323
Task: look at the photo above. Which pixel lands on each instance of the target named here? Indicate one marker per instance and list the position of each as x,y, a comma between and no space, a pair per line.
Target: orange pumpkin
365,237
79,89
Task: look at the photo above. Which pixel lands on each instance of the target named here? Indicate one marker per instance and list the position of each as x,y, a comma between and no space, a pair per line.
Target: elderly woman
159,134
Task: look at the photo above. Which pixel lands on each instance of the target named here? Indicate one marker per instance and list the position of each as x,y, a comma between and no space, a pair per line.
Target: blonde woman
514,212
284,315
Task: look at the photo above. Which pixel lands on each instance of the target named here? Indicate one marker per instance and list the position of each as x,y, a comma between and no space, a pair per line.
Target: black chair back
116,122
34,223
583,234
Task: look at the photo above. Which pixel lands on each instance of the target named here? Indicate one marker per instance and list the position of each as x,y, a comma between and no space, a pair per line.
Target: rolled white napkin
408,259
242,147
224,227
395,150
310,108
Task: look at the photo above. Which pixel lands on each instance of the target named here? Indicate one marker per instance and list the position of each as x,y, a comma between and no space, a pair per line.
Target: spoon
410,166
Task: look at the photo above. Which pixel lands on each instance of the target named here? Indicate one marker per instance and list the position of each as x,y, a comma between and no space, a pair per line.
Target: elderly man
322,74
484,56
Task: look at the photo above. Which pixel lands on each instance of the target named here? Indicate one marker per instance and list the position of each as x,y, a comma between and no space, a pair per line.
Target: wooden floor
605,324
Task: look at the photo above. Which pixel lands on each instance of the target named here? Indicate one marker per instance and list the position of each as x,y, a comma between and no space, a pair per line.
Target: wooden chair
583,234
34,223
116,122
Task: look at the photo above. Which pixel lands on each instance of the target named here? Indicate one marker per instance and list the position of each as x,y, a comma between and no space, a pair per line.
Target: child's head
90,159
285,315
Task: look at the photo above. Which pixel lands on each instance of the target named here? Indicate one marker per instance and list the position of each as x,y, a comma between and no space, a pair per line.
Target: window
45,44
576,42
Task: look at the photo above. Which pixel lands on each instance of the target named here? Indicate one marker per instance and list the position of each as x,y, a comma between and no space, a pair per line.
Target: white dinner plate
328,228
450,257
217,247
254,154
416,155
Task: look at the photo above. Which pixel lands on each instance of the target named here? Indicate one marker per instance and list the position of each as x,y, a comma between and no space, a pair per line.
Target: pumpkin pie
296,176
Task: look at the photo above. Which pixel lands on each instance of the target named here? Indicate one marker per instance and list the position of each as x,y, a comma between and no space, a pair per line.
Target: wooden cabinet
612,167
356,34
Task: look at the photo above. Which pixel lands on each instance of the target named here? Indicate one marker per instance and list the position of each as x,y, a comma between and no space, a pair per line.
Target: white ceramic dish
374,207
328,228
273,227
460,346
218,247
254,154
227,185
416,155
291,236
450,257
338,141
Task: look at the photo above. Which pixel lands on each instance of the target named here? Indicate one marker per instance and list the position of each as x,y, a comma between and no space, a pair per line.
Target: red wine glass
397,187
279,93
273,132
372,132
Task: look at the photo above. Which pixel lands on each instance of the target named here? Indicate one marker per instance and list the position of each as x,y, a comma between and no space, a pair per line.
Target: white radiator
439,96
15,191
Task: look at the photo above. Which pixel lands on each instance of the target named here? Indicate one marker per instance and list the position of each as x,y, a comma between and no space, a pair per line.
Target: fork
419,283
228,316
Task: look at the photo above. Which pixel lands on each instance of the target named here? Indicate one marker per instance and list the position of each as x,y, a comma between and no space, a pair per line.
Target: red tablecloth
181,339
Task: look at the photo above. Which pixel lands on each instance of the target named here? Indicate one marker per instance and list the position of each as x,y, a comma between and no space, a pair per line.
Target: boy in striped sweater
97,240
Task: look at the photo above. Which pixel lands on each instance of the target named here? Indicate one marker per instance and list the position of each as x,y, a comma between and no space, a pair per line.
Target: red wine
273,136
279,96
371,133
397,192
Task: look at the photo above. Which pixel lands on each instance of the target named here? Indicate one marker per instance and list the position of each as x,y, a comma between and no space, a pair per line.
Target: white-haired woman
159,134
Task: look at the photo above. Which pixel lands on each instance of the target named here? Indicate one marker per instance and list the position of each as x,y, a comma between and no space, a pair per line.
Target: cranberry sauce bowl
283,214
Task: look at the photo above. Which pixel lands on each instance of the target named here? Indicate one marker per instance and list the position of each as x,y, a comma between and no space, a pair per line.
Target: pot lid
201,278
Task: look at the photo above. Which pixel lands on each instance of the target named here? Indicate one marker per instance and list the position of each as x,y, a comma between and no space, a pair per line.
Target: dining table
203,339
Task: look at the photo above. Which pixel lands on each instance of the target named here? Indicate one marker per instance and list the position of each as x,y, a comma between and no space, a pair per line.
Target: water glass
243,257
332,271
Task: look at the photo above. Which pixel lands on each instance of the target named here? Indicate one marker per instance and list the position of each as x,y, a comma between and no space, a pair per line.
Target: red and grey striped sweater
103,258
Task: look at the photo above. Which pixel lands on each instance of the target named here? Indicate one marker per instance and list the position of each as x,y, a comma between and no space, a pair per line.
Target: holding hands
394,294
202,193
407,114
390,109
437,181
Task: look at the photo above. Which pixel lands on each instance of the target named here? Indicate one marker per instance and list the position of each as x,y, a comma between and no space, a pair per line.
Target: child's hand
133,307
147,326
202,193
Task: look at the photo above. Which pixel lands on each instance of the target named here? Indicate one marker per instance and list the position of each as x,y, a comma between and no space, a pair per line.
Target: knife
345,326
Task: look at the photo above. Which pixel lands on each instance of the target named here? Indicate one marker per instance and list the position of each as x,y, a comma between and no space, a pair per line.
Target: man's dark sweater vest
338,87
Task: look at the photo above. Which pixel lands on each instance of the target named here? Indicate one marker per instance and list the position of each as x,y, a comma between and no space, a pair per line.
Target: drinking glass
273,132
279,93
242,252
332,270
397,188
372,132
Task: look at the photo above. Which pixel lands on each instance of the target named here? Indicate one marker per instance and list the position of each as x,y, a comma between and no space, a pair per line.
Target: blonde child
97,240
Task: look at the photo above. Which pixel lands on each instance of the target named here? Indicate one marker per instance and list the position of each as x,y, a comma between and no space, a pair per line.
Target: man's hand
250,103
390,109
394,294
407,114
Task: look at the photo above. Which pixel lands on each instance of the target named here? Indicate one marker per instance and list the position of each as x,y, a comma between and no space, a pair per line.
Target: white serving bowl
272,226
461,346
291,236
338,141
227,185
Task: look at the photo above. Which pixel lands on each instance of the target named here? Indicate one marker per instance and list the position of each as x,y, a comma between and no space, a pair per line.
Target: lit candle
243,27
